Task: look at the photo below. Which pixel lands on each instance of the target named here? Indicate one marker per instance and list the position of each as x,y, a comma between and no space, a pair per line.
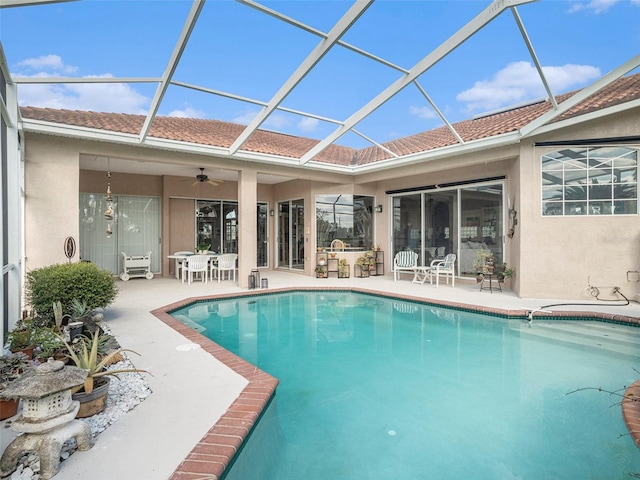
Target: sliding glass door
134,230
291,234
461,220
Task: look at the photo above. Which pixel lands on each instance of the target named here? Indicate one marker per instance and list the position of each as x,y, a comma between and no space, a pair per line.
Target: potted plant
343,268
93,394
20,339
12,367
483,263
321,271
203,247
503,271
49,345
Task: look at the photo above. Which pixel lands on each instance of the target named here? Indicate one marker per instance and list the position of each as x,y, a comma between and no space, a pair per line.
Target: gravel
124,395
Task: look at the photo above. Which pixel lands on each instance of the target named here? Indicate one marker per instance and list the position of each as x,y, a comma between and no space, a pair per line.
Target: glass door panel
291,234
263,239
297,235
283,234
407,227
481,225
441,226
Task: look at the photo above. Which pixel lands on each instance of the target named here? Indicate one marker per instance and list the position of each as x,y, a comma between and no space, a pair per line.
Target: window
345,217
135,230
217,225
590,181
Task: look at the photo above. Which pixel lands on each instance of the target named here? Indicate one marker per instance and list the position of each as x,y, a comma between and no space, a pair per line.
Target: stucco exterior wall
51,199
560,256
554,257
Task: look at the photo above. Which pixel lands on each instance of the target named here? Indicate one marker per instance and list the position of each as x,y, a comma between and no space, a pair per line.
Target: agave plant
87,358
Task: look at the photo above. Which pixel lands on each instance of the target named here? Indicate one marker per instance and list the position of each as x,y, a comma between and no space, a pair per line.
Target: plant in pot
321,271
93,394
12,367
49,345
503,271
343,268
21,338
483,264
203,247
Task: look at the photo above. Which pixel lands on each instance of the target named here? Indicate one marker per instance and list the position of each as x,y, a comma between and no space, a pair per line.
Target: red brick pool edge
631,411
215,451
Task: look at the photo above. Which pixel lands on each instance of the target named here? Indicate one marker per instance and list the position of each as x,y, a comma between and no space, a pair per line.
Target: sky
238,49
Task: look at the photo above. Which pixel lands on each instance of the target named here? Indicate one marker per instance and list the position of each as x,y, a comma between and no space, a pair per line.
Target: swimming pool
372,386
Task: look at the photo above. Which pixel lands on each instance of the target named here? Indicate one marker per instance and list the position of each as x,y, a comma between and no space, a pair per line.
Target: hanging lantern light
108,214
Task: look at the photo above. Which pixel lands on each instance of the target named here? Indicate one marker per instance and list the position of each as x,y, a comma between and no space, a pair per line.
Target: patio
192,389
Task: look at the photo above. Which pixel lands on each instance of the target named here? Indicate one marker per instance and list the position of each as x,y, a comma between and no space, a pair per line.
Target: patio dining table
213,258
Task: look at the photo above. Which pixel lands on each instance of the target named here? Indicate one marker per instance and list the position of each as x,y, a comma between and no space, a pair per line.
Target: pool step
599,335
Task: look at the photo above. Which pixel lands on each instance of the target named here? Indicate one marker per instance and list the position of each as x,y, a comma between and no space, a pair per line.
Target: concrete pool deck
193,388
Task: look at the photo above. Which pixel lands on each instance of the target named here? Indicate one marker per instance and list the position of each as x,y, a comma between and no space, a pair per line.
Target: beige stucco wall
560,256
554,257
51,199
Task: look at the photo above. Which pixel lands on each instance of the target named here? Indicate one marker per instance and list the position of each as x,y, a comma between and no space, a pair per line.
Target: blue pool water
373,387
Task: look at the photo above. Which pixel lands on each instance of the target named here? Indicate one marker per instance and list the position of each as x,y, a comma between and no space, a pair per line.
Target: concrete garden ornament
48,417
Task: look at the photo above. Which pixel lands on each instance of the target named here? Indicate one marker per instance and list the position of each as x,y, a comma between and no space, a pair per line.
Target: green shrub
66,282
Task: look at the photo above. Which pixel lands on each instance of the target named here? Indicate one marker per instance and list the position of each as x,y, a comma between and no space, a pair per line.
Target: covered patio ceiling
358,109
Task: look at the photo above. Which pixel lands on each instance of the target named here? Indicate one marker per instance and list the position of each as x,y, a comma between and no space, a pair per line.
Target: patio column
247,224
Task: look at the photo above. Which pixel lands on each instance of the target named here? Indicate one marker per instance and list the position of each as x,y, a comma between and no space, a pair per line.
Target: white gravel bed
125,394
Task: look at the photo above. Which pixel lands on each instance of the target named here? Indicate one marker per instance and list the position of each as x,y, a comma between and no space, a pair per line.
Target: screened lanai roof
340,84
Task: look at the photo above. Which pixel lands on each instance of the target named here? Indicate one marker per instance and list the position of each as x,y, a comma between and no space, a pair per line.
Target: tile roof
222,134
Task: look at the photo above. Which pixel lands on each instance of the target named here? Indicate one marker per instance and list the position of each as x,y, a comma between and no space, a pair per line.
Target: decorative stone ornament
48,417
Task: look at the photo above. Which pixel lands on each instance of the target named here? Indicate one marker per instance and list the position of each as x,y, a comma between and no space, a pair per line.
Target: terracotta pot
8,407
94,402
27,351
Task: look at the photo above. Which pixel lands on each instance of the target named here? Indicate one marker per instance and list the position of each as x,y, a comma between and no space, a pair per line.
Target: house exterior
554,195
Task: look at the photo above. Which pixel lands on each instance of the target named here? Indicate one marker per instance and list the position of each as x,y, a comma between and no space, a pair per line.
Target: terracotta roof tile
222,134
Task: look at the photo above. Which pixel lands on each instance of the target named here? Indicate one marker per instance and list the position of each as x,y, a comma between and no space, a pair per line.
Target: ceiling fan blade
195,183
215,183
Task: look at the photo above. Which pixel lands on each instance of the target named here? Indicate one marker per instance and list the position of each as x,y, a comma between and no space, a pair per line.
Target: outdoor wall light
271,213
379,208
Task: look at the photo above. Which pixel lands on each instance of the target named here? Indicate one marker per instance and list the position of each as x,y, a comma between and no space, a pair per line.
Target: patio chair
179,262
444,267
226,263
194,265
337,245
405,261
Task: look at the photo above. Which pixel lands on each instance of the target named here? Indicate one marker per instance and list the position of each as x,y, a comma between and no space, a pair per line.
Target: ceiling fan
202,178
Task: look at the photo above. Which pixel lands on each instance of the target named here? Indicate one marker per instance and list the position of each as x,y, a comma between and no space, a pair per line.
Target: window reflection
345,217
590,181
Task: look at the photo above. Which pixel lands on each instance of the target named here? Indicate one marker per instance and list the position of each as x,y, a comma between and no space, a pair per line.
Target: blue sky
237,49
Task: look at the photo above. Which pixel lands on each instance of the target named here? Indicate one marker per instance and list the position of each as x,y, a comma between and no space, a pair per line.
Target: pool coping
215,451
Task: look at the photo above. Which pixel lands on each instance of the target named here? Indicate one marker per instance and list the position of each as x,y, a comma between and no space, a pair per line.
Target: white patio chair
337,245
226,263
179,262
444,267
405,261
194,265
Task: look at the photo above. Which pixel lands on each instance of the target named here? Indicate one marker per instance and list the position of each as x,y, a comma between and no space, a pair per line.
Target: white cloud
188,112
594,6
47,62
244,117
103,97
308,124
519,81
276,121
422,112
100,97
